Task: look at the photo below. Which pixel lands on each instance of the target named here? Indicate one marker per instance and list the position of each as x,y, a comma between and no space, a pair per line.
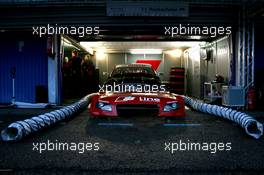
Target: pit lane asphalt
138,148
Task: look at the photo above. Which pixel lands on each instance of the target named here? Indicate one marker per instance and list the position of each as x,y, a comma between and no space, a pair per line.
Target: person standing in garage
88,70
67,76
76,73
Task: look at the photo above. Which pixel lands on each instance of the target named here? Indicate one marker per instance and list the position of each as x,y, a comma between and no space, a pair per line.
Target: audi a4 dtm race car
135,88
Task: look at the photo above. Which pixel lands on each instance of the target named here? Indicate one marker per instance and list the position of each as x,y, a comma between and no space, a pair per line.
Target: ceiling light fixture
100,53
145,51
196,37
87,47
175,53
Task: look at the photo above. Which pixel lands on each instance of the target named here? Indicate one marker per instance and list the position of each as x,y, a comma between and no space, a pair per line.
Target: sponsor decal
149,99
124,99
154,63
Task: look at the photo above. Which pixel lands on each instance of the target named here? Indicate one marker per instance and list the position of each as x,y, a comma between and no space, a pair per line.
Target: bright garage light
175,53
145,51
87,47
100,53
196,37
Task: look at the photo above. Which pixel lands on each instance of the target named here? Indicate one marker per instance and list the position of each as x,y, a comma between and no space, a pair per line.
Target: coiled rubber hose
20,129
251,126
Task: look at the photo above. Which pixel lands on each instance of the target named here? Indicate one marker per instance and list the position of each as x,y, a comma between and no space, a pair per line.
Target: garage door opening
185,67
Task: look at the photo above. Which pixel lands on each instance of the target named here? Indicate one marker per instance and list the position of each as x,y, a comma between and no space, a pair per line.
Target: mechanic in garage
76,73
88,72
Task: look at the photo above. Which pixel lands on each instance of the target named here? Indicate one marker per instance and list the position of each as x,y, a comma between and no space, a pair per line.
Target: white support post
53,76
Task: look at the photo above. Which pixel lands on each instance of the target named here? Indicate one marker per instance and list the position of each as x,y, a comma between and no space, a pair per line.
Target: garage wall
220,62
208,68
106,65
28,55
169,62
193,74
223,59
102,66
200,70
115,59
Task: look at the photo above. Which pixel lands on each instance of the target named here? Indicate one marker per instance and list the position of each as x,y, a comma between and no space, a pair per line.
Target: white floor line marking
181,124
115,124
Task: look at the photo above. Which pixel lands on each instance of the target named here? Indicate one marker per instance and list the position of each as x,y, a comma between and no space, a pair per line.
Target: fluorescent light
195,37
145,51
67,43
178,44
175,53
87,47
100,53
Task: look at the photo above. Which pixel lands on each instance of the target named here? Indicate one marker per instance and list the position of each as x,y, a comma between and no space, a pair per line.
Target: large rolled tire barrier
251,126
20,129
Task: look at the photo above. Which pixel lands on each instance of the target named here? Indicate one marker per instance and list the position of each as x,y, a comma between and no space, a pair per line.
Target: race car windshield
132,72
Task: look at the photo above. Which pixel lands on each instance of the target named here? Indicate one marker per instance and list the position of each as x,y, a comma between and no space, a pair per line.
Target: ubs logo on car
149,99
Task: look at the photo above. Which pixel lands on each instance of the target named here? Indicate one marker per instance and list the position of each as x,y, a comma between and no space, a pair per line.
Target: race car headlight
104,106
170,107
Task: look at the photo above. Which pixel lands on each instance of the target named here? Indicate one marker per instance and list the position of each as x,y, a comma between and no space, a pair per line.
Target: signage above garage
173,9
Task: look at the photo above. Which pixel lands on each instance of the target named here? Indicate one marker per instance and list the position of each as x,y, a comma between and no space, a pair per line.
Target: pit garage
207,52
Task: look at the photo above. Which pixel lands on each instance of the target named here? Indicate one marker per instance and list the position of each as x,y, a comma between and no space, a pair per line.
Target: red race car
135,88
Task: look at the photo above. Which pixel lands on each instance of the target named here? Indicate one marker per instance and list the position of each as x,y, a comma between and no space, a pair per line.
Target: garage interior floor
134,148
